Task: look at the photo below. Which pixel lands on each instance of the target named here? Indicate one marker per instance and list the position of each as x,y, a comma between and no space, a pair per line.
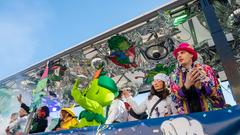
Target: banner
220,122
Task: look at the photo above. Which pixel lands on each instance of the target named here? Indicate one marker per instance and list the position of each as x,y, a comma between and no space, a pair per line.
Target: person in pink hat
195,85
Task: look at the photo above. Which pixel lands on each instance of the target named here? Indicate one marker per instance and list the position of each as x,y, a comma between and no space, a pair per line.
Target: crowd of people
193,87
18,121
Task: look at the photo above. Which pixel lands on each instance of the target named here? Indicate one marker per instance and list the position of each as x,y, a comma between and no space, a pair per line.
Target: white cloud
20,25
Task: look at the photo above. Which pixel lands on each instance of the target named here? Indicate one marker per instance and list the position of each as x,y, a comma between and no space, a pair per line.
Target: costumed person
122,51
40,122
100,92
195,85
118,111
132,116
159,102
18,126
67,120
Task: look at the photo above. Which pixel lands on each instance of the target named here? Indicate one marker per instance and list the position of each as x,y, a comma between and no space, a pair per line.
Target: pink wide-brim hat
185,47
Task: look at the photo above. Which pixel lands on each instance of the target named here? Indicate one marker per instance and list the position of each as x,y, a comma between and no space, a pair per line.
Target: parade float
133,53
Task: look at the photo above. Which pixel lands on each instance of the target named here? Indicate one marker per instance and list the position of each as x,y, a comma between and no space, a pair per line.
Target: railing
220,122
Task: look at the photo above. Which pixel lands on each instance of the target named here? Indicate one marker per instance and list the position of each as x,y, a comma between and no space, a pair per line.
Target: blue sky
31,31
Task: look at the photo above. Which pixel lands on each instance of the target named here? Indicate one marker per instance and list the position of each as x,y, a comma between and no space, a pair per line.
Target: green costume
100,93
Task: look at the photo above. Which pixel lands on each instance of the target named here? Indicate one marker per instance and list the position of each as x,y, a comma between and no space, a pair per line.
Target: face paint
41,113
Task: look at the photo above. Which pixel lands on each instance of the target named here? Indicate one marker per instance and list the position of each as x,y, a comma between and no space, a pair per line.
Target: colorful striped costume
209,97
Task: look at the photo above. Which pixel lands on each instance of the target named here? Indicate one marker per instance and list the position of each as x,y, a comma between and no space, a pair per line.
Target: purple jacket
209,97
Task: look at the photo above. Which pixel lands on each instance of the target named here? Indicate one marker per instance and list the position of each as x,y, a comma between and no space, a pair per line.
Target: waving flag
39,92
